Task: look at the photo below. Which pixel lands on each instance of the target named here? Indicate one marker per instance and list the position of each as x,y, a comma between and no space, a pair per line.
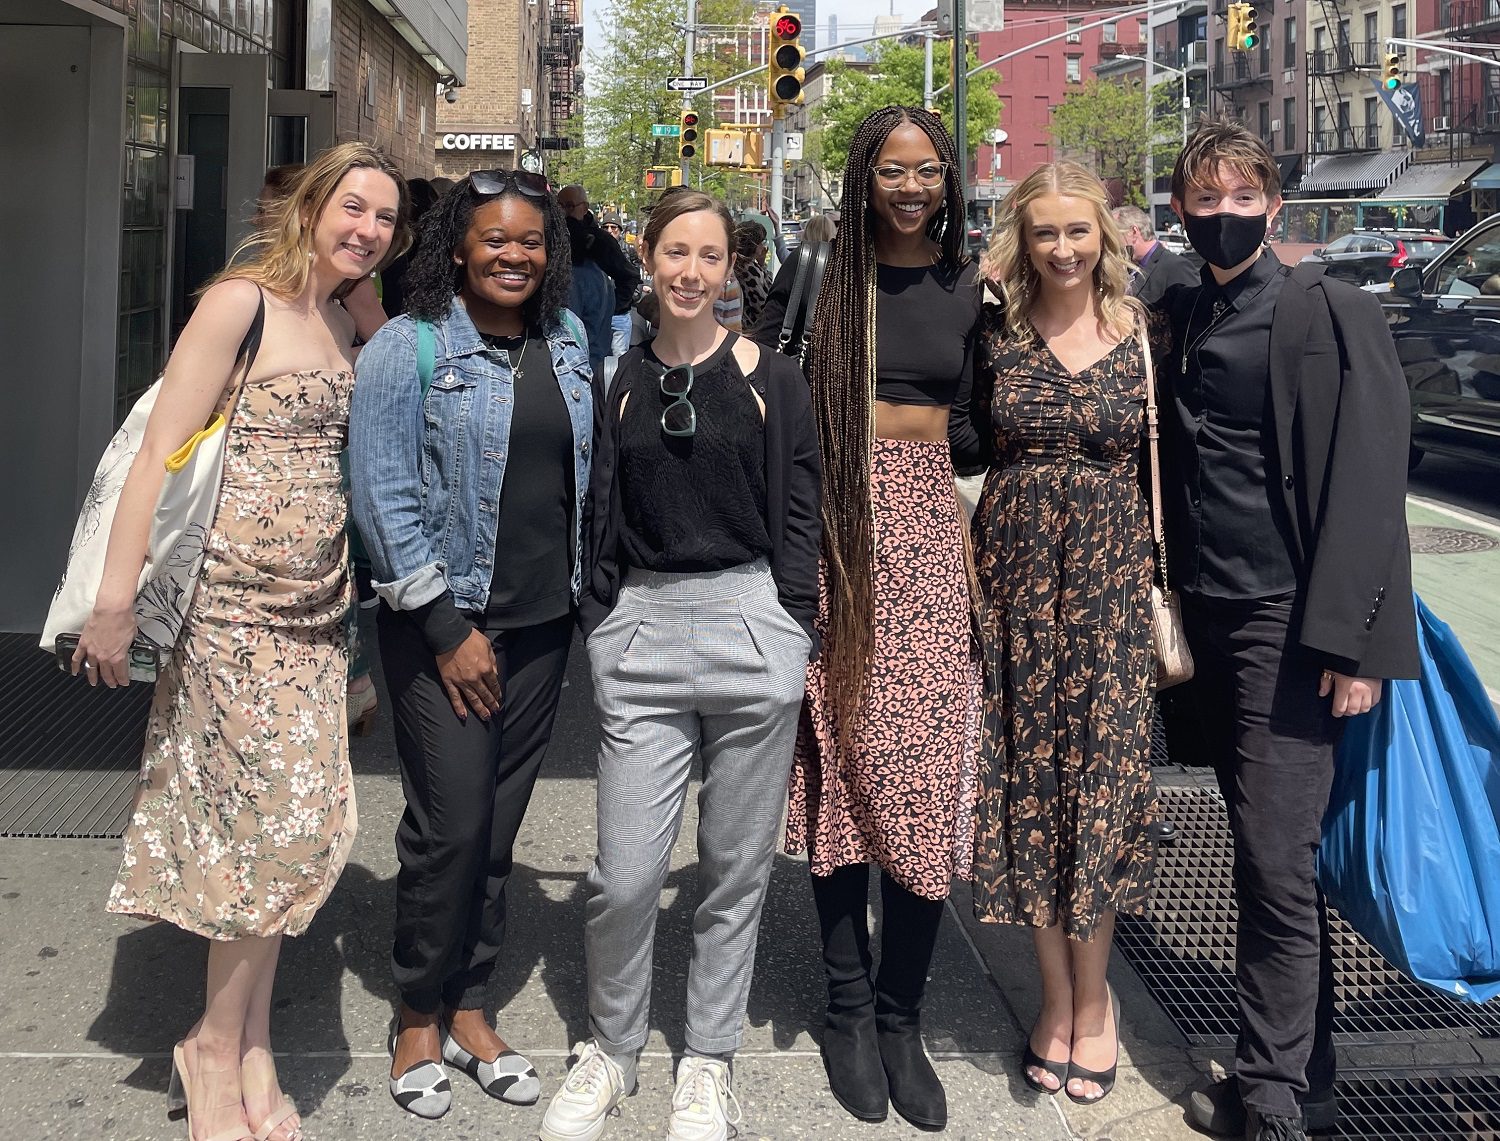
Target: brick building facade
522,78
387,93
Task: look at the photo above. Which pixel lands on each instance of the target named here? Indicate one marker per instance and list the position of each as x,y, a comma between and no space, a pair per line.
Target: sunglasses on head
488,183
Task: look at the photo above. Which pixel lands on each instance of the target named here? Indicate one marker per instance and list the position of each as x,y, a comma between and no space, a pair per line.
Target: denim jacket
427,474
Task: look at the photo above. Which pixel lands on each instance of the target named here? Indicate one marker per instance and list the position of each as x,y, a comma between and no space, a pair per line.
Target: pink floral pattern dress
245,812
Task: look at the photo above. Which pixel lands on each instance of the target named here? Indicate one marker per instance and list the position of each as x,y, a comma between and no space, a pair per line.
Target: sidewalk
90,1004
1455,567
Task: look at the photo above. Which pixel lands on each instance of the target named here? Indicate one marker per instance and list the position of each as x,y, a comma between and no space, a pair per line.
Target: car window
1424,249
1465,269
1344,245
1379,246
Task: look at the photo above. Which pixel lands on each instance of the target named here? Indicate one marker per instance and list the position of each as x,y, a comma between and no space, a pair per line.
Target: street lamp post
1181,74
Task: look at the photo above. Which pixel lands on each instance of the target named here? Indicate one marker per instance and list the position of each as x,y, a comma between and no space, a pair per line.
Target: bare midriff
911,421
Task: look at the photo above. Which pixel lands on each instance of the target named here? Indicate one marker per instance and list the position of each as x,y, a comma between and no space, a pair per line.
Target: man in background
604,282
1160,267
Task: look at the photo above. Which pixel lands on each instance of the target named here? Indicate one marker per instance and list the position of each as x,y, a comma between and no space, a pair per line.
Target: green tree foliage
1114,126
895,76
613,145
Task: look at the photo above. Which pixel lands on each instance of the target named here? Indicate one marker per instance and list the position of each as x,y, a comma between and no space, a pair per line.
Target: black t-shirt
532,579
693,503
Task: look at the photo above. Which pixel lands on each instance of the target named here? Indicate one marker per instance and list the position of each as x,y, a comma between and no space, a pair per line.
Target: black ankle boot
908,935
851,1057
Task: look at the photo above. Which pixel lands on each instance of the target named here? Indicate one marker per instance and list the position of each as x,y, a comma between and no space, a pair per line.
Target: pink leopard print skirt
903,795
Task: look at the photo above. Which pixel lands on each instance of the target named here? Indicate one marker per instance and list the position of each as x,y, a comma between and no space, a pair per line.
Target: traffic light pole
687,68
778,160
961,103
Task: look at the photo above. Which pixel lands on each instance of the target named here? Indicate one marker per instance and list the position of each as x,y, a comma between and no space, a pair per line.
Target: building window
1445,92
1398,23
1372,122
1372,30
1289,43
1140,31
1075,35
1075,69
1320,40
1289,124
1111,33
1265,124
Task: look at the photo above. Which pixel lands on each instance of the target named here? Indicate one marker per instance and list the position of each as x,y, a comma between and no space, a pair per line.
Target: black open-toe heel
1104,1079
1030,1060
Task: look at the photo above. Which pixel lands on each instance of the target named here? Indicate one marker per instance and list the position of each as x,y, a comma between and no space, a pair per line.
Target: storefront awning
1486,179
1353,172
1434,180
1291,171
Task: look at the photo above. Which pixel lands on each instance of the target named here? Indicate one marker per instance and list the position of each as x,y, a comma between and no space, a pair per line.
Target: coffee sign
477,142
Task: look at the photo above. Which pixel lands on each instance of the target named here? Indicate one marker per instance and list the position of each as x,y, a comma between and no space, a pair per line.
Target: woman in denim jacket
486,375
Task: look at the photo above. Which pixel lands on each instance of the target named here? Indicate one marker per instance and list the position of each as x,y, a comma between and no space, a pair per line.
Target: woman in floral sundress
245,811
1063,555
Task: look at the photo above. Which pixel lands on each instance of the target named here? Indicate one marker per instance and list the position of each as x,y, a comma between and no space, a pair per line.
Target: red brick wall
505,42
364,44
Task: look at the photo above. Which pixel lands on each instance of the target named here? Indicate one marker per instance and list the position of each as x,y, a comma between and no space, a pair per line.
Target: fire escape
1327,68
1473,98
561,56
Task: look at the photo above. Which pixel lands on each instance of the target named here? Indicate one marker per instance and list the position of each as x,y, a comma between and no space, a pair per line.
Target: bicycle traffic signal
1392,80
1244,27
784,72
687,139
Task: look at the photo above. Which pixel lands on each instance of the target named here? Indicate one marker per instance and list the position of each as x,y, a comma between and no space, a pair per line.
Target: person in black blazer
1284,444
1159,267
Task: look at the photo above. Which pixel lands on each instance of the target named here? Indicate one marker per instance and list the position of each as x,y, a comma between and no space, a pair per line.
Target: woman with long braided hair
884,766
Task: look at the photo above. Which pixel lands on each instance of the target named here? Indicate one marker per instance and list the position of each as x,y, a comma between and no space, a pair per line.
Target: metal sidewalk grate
69,754
1402,1106
1183,949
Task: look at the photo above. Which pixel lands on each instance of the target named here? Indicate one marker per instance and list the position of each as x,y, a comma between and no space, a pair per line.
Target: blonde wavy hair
1007,263
278,256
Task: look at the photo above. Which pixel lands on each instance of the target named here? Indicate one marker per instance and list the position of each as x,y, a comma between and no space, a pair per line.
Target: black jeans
1253,711
467,786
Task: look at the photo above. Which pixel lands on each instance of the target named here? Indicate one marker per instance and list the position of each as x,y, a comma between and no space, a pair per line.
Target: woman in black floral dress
1063,553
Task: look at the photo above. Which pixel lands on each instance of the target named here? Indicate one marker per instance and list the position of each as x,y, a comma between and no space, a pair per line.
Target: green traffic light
1250,40
1392,82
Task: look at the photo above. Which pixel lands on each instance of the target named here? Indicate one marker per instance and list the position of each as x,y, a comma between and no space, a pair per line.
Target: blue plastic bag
1411,842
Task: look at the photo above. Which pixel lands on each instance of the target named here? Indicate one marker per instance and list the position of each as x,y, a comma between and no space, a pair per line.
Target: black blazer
1342,415
794,488
1163,270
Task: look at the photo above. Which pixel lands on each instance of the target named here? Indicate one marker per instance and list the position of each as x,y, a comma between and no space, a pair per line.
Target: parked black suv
1446,322
1366,257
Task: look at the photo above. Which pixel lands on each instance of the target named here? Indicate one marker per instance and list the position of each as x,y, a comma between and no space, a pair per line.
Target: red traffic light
788,26
690,118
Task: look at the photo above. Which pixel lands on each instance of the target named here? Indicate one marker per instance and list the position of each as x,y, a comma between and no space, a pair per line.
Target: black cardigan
794,485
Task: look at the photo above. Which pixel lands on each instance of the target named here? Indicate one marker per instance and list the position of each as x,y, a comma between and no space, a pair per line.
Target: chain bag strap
1174,662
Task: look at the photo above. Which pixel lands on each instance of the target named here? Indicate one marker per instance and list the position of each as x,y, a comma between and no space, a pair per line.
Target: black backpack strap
794,301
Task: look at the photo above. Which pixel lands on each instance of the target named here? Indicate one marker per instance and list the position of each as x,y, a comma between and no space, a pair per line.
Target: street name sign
687,83
665,130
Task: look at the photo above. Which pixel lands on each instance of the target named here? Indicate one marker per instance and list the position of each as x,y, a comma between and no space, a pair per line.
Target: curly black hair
433,279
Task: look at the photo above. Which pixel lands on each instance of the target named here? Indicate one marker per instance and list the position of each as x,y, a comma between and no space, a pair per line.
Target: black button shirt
1233,535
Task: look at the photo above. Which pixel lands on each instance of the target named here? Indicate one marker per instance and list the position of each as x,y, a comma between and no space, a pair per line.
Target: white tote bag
184,513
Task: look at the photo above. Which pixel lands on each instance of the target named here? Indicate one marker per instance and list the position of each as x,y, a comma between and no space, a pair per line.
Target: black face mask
1225,240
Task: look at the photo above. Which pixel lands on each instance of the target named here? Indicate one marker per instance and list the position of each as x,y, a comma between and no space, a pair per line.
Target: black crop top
693,503
926,318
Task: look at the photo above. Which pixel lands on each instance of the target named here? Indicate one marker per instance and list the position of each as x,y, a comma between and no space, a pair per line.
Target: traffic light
1392,79
661,177
1244,27
784,73
687,139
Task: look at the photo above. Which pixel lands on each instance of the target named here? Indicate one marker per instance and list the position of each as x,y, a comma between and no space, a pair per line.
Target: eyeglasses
679,418
488,183
928,175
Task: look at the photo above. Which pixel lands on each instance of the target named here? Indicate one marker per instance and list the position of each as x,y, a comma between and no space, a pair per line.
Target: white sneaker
703,1104
593,1089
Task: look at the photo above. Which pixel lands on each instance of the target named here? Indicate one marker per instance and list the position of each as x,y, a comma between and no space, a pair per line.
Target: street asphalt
90,1004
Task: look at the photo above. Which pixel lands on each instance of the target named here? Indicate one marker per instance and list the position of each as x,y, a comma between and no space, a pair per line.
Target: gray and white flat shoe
508,1077
423,1089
